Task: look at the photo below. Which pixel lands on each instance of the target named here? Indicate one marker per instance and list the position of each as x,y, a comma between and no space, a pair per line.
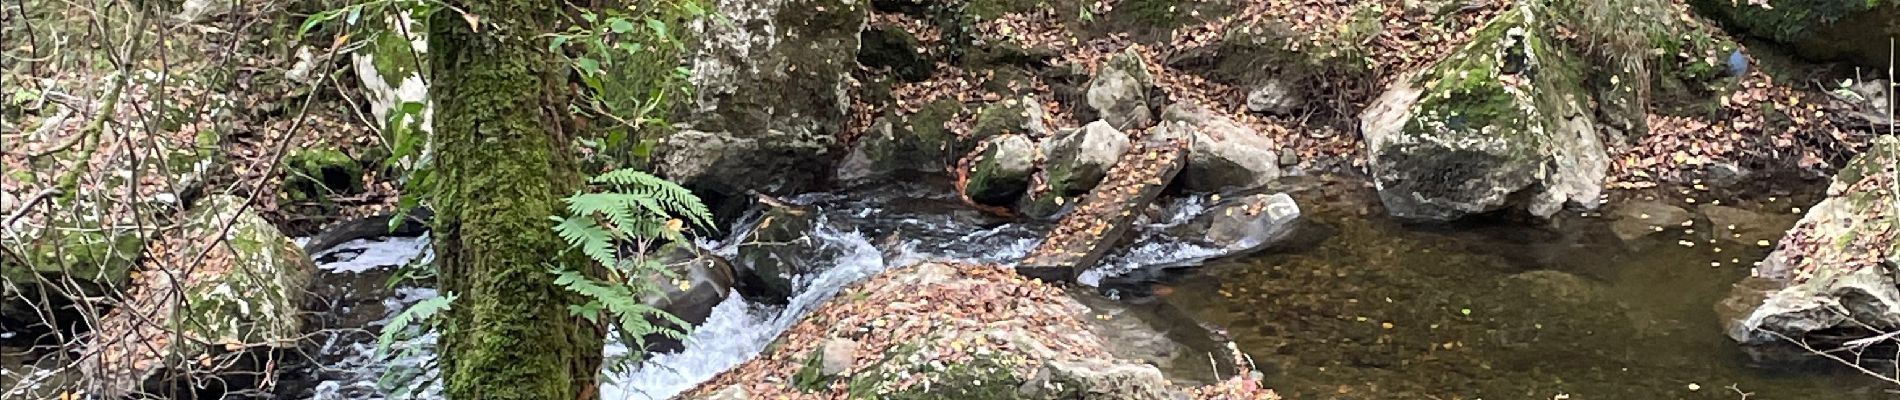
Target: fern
628,207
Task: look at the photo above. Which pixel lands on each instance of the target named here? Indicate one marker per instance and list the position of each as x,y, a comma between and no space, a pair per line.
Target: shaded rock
220,320
1000,174
73,258
772,81
1499,125
1831,280
1745,226
1074,162
1639,218
701,280
1022,116
1241,225
1119,92
317,174
1818,29
1289,158
777,251
1226,156
889,148
897,50
1274,97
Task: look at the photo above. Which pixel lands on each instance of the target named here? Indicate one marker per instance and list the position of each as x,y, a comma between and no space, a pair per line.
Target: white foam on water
737,331
376,254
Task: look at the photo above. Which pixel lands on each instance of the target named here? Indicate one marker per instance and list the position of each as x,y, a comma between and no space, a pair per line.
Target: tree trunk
503,168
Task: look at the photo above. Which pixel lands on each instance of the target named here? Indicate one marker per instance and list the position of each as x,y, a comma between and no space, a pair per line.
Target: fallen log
1087,234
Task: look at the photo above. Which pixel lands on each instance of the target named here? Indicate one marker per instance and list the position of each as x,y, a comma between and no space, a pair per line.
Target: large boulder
1502,124
1119,92
897,144
772,80
1832,278
1226,156
1820,29
218,300
1074,161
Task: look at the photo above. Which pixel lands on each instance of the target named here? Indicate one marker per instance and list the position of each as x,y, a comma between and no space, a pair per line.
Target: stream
1355,306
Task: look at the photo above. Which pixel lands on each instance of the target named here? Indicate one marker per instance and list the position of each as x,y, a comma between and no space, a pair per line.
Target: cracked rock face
1499,125
772,81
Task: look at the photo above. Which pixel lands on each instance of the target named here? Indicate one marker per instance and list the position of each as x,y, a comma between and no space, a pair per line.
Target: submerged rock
1745,226
700,281
1500,124
1637,219
941,331
1831,280
1241,225
1226,156
209,324
1119,92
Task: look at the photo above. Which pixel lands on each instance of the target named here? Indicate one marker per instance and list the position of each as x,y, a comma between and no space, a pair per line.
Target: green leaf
588,66
356,13
317,19
554,46
620,25
658,27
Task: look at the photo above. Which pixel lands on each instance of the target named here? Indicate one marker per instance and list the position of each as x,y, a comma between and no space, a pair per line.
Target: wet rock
1241,225
1819,29
779,250
1835,271
701,280
1075,162
1225,156
897,50
1640,218
893,146
1092,379
976,332
1745,226
234,311
1119,92
838,355
77,257
1274,97
1001,174
772,81
1500,125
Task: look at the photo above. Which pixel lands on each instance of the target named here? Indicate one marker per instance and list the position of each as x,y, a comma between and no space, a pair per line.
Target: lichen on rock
1498,125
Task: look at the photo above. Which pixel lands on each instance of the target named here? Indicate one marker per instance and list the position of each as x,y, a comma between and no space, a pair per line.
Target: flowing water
1356,306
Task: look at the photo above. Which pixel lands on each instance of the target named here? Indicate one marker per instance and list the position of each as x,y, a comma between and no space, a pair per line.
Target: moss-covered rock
897,50
1119,92
217,304
1500,124
1849,30
317,174
74,258
1074,162
390,67
1832,278
1022,116
1001,173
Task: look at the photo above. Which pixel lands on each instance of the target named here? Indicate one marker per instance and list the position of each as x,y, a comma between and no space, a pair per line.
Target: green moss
315,174
393,56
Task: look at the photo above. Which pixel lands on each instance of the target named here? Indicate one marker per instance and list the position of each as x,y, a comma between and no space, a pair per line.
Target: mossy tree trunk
503,168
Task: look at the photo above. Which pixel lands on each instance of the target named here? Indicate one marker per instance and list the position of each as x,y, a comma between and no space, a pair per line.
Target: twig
21,212
91,133
1850,364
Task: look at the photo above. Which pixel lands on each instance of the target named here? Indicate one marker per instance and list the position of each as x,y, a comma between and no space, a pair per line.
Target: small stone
839,355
